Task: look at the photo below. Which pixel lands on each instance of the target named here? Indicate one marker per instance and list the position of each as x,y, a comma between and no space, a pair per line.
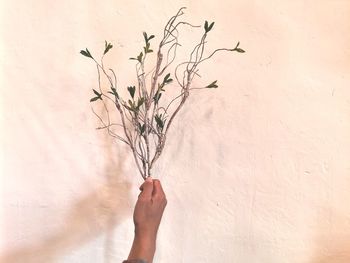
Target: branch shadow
97,213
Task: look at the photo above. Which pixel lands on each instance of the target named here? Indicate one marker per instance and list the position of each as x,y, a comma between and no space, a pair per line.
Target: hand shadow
96,213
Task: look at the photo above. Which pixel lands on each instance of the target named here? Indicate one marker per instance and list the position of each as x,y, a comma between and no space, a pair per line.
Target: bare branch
144,120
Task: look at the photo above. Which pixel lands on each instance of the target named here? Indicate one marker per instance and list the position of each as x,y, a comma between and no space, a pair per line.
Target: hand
147,216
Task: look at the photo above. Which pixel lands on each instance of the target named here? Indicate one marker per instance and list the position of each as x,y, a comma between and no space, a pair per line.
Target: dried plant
145,122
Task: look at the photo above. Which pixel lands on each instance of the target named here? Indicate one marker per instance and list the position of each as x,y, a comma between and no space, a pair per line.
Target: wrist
145,240
143,247
146,233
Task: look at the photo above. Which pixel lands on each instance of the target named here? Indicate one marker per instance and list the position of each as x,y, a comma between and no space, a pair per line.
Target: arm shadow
97,213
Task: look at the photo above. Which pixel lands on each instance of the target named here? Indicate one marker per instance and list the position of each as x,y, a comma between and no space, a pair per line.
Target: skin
148,213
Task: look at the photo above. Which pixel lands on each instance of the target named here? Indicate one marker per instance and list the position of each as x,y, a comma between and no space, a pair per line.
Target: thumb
147,188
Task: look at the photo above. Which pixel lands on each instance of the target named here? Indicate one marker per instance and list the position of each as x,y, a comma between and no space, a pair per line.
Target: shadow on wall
333,245
97,213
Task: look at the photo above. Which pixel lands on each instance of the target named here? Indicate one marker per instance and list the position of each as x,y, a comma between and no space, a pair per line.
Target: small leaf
114,92
86,53
145,36
140,102
147,39
211,26
157,97
131,104
141,128
146,48
139,57
131,90
167,79
107,47
83,52
97,93
208,27
239,50
159,121
95,98
212,85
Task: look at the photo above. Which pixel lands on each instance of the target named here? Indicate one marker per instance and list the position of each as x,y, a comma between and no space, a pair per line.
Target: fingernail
149,179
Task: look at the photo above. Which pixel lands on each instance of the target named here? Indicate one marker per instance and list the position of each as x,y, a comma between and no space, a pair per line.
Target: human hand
148,213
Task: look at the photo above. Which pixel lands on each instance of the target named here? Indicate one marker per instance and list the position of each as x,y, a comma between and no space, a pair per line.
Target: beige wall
256,171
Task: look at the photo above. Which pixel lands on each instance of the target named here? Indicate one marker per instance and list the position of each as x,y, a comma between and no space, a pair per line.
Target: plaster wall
255,171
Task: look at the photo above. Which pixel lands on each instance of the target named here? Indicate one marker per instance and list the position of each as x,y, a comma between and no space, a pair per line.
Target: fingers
147,189
158,191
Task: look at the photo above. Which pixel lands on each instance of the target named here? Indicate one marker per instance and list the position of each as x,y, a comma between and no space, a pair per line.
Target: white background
255,171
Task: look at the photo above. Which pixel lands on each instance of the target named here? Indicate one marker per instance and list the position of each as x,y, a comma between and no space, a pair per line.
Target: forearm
143,247
148,213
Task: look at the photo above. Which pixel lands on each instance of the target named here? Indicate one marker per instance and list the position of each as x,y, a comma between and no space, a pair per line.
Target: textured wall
255,171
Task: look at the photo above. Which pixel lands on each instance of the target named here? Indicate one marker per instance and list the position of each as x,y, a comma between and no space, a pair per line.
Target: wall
255,171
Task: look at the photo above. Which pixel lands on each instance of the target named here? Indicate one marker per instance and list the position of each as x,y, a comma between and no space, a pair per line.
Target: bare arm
147,216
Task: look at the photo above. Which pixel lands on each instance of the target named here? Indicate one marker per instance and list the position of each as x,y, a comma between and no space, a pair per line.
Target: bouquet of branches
145,121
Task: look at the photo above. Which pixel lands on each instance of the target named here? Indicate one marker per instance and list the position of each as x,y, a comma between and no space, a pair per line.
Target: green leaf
83,52
141,128
147,39
97,93
131,90
95,98
211,26
157,97
140,102
167,79
139,57
147,48
114,92
86,53
145,36
107,47
159,121
212,85
131,104
239,50
206,26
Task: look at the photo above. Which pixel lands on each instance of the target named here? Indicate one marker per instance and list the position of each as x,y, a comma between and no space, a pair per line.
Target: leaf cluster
146,49
208,27
98,96
143,109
